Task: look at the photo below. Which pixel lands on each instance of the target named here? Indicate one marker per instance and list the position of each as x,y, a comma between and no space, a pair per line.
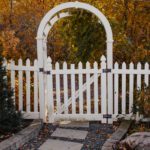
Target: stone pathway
71,136
67,137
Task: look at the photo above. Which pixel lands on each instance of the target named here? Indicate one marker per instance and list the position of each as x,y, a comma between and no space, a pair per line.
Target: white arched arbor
46,25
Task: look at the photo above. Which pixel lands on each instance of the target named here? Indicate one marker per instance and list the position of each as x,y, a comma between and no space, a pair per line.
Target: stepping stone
69,133
74,124
51,144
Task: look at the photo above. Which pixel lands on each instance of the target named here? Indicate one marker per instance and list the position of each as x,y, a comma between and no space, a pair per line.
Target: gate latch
106,70
107,116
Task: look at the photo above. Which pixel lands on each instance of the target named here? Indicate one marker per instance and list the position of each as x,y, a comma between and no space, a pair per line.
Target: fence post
110,78
50,102
103,89
41,77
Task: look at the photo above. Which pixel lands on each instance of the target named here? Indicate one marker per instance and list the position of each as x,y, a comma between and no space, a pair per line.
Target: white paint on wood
131,88
20,86
65,80
73,89
96,89
103,89
139,76
12,64
146,76
58,89
80,89
124,90
78,93
35,87
50,101
88,92
28,87
116,92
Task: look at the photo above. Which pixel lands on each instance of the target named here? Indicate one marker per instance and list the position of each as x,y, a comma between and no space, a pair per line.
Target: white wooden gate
76,93
46,83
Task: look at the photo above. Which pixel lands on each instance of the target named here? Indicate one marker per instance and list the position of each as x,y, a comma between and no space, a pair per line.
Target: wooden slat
146,76
131,88
139,76
80,88
96,89
20,87
35,87
88,88
50,101
58,88
28,87
73,89
103,89
124,90
12,63
65,80
116,87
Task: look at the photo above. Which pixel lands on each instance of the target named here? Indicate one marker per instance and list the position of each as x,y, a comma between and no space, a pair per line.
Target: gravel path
97,135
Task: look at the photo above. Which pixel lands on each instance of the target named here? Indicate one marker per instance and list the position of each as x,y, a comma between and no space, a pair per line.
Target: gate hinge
45,72
41,69
107,116
106,70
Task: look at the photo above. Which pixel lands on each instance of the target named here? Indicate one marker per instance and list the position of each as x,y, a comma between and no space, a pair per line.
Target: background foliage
80,37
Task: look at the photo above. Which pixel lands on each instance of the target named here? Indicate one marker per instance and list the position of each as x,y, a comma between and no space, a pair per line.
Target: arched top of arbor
48,17
55,14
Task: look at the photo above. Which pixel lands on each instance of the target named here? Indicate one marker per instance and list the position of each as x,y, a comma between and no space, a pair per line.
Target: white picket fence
24,82
75,92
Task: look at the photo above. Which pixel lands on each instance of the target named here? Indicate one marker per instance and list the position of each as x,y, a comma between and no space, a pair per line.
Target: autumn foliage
80,37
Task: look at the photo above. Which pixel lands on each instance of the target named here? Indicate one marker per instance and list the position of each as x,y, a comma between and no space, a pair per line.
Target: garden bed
6,135
139,127
20,138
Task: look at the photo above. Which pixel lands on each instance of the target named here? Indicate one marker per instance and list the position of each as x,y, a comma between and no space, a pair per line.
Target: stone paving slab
51,144
71,124
117,136
69,133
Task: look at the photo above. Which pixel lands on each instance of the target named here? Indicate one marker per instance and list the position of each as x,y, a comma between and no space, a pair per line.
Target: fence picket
58,88
73,89
20,86
139,76
65,88
96,88
88,88
80,88
116,84
12,64
146,76
124,89
28,86
131,88
35,86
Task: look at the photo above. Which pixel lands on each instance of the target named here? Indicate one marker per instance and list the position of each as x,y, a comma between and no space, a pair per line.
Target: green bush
10,119
142,101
